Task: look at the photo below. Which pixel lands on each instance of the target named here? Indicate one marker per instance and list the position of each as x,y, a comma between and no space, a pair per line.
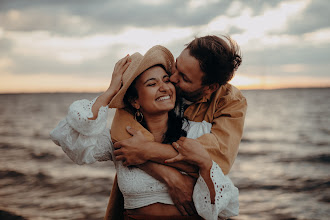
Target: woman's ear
135,103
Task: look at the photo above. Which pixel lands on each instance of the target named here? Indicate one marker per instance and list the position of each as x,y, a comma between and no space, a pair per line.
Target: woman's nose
164,87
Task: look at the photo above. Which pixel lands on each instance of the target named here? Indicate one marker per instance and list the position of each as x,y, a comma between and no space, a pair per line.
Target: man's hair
218,58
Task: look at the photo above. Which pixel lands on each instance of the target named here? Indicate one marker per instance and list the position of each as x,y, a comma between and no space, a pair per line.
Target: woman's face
156,94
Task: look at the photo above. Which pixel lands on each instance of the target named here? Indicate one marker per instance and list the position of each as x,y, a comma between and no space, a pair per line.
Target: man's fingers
182,138
179,142
117,145
120,158
118,152
192,209
192,205
188,208
132,131
181,209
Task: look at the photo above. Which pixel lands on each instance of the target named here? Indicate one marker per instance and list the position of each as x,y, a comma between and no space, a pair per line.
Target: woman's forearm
204,171
103,100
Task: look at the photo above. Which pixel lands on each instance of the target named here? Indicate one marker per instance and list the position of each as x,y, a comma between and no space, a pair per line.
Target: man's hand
191,151
131,151
181,191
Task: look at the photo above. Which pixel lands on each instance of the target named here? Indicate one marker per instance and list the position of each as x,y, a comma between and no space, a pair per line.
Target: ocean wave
321,158
43,156
253,154
290,185
66,186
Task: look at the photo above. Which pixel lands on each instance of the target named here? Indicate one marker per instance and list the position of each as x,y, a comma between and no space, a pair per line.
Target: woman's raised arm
116,83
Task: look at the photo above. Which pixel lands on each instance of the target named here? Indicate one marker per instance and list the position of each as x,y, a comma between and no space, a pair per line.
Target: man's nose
174,77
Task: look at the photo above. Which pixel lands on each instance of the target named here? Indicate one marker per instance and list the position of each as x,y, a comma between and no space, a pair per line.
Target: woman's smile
162,98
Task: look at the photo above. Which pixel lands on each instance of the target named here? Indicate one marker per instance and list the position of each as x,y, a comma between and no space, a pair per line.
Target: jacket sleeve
84,140
226,133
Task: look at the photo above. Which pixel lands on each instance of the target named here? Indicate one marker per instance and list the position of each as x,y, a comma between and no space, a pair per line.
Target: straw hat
156,55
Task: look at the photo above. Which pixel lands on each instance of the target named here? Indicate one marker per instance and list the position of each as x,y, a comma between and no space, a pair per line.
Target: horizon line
74,92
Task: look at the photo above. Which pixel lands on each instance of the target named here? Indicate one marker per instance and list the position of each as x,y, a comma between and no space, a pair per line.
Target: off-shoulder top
87,141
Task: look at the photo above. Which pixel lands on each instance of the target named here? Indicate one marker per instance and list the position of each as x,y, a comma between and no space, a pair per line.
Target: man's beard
190,96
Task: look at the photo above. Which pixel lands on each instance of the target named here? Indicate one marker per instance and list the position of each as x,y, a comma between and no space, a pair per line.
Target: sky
73,45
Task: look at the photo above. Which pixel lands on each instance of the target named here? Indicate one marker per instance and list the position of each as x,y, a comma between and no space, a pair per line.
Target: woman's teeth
163,98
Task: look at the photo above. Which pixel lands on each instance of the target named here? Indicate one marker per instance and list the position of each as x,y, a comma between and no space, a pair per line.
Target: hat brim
157,55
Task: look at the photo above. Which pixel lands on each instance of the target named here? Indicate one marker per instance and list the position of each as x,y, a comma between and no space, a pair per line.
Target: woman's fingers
122,60
174,159
176,146
125,63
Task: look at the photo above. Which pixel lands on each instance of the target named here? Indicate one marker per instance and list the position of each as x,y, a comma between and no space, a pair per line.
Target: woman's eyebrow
149,80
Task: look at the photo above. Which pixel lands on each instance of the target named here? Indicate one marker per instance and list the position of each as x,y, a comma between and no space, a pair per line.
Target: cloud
315,16
86,17
86,38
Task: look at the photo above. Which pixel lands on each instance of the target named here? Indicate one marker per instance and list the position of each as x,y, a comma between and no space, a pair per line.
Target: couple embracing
174,136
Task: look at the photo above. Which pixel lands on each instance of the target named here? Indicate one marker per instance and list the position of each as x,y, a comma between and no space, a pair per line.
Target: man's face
187,76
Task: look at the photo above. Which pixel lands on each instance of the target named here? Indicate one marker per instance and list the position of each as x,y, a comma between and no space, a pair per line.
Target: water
282,169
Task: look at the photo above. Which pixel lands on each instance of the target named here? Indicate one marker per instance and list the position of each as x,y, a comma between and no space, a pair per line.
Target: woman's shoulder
196,129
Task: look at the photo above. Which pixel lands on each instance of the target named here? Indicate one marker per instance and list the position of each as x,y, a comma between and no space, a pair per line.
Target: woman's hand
191,151
117,75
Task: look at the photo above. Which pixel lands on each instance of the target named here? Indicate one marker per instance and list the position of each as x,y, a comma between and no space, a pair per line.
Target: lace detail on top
78,115
83,140
226,198
139,188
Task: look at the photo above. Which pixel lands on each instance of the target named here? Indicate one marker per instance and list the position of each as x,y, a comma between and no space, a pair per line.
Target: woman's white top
88,141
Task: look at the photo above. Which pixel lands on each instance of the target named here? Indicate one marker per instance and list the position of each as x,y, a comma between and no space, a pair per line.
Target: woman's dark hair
174,124
218,58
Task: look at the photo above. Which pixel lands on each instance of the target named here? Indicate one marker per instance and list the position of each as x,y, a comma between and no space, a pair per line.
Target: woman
141,85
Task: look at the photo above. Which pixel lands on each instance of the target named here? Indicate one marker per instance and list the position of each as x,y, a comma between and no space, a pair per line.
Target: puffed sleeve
226,199
84,141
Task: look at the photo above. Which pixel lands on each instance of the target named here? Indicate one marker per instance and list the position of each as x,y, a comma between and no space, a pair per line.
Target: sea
282,169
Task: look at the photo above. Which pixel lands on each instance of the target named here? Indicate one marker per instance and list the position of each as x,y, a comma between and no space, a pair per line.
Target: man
201,75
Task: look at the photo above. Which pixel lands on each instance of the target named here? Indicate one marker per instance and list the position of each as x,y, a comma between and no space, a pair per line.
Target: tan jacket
225,109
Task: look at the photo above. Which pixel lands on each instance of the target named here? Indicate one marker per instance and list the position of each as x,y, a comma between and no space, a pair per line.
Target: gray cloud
55,16
103,15
40,65
112,16
316,16
304,55
5,46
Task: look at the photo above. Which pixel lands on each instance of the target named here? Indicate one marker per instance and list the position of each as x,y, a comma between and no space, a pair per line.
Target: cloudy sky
72,45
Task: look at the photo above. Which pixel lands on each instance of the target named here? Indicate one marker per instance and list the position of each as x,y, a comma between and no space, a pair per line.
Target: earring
138,115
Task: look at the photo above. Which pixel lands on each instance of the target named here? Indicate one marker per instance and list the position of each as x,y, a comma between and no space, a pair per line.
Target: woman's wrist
109,94
205,166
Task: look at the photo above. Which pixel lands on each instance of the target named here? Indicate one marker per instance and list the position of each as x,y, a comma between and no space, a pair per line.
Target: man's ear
211,88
